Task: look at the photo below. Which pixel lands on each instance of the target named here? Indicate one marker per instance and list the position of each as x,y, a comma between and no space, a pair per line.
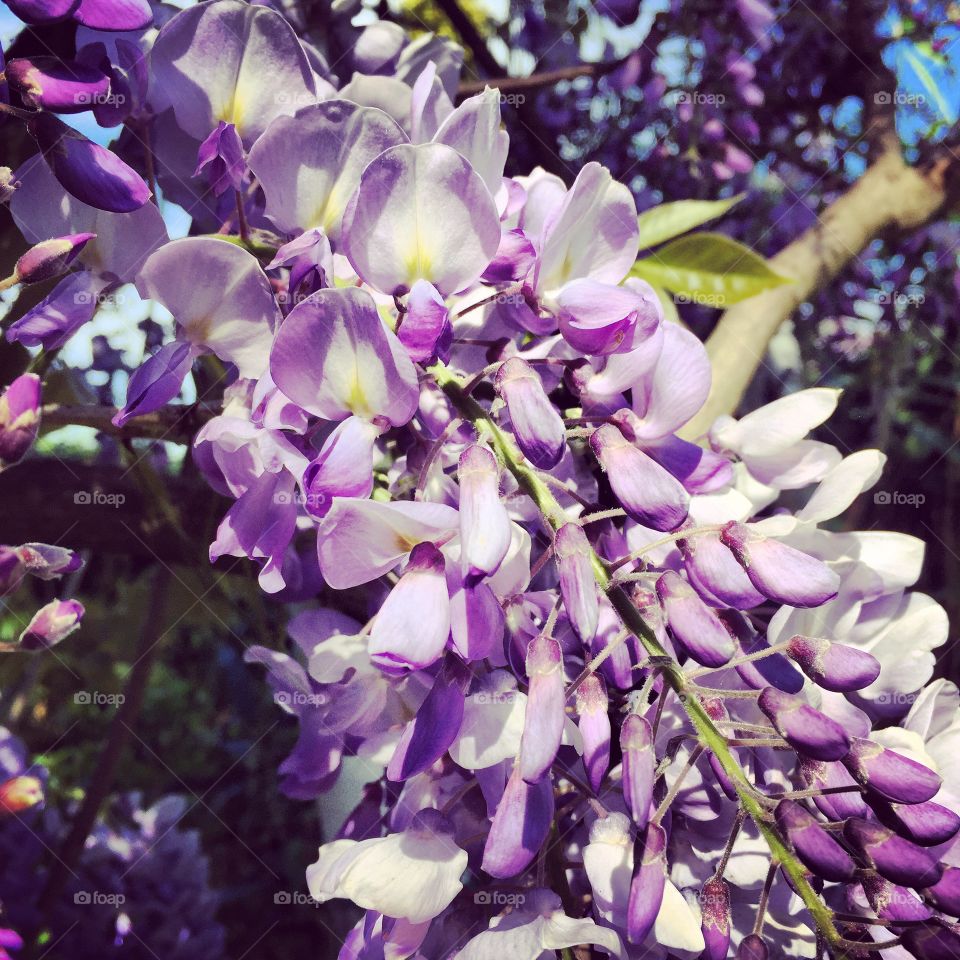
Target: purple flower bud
715,573
773,670
891,902
834,666
156,381
780,572
413,624
476,620
945,893
48,83
86,170
545,713
649,881
890,774
48,562
519,826
926,824
718,713
695,627
899,860
650,495
51,624
639,766
428,736
485,527
537,426
807,730
817,774
752,947
221,156
425,329
19,418
817,850
599,318
715,918
50,257
577,584
513,260
344,466
594,724
933,940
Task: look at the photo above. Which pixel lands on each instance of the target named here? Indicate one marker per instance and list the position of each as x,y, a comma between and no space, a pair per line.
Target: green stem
710,737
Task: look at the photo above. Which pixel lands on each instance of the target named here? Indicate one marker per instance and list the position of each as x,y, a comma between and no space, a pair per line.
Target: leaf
915,58
669,220
709,269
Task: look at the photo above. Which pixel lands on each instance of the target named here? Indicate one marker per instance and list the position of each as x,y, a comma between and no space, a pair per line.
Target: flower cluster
603,689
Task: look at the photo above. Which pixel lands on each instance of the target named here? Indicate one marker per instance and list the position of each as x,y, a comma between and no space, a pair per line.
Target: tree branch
891,195
175,424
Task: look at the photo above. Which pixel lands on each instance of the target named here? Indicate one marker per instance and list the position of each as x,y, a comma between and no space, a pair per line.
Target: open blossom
589,660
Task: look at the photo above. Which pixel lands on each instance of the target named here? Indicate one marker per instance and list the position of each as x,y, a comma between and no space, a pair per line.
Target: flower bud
715,573
19,794
891,902
926,824
945,893
650,495
899,860
577,584
19,418
647,886
807,730
537,426
639,766
520,826
695,627
48,562
779,572
343,467
890,774
49,258
221,156
60,86
752,947
817,850
485,527
933,940
834,666
773,670
715,918
513,260
819,775
594,726
545,713
425,329
413,624
51,624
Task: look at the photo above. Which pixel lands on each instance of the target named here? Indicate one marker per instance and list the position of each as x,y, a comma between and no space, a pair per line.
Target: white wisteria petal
412,875
842,485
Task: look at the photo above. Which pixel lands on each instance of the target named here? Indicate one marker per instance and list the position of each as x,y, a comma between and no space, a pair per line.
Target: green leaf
709,269
669,220
916,58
